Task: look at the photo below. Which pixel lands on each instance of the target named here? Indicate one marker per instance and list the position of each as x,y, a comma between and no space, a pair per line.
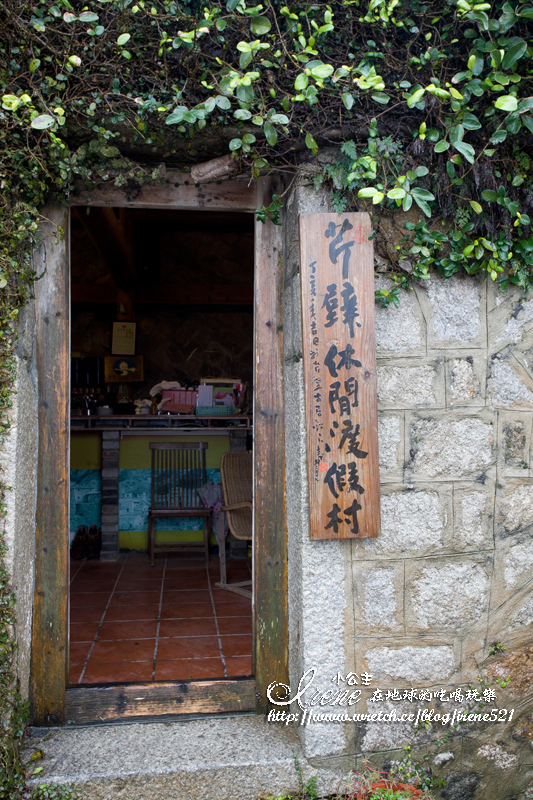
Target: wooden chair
237,486
178,471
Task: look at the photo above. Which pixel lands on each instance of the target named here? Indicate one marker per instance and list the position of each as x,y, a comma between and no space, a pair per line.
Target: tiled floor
133,622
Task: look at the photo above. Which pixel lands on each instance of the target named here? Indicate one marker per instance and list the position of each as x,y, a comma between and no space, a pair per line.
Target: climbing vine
422,107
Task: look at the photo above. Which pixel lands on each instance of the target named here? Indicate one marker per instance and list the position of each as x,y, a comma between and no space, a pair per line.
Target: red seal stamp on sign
322,467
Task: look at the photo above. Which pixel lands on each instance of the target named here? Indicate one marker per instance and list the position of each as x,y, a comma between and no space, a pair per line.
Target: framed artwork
123,369
123,340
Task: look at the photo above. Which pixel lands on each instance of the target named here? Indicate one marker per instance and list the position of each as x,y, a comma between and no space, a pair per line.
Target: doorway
52,702
169,295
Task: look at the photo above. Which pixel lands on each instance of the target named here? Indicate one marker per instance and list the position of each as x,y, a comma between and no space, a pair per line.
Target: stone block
387,735
378,597
413,522
473,516
411,384
509,384
109,463
391,445
510,322
110,454
514,444
111,473
110,509
109,529
110,519
112,555
451,446
454,312
399,330
514,507
111,444
110,435
109,543
465,379
511,613
411,664
450,595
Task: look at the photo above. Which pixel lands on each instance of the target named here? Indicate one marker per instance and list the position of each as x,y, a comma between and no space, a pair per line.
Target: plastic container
211,411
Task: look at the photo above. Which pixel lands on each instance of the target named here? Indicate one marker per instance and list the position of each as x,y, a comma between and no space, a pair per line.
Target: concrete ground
226,758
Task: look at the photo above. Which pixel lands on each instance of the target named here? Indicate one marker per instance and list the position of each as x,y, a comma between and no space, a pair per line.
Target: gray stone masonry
240,758
452,569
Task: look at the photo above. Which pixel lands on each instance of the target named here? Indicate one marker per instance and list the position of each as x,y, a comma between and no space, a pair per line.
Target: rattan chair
178,471
236,473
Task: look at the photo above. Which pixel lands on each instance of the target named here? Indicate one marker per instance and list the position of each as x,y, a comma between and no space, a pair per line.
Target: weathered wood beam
86,704
271,644
49,651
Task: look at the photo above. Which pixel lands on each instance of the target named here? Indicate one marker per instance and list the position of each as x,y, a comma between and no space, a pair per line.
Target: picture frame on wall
123,339
123,369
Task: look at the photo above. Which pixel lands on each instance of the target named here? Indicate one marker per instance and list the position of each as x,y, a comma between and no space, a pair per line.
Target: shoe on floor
79,544
94,542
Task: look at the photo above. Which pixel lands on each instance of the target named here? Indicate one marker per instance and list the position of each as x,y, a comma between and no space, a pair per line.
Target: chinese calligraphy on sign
337,274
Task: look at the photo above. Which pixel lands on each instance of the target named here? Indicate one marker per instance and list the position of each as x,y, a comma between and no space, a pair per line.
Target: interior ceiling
158,256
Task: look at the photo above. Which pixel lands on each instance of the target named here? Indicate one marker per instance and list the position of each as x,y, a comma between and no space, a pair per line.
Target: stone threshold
226,758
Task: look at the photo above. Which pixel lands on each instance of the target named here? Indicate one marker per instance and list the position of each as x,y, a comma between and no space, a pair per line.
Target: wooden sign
339,349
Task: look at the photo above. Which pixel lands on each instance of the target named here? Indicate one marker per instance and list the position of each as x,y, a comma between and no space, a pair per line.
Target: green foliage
307,789
53,792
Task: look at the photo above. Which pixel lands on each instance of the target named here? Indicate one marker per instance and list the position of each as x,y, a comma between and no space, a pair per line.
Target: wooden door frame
51,702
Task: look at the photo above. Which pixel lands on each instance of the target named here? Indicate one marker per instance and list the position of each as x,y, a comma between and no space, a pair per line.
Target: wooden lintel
86,704
170,294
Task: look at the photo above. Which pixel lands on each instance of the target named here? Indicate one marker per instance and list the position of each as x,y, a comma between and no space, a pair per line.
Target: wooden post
49,661
337,274
270,530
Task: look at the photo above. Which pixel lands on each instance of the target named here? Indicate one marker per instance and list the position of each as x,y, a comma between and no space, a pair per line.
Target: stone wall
18,457
452,570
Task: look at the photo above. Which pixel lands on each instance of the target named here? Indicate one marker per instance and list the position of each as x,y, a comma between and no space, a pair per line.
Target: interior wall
182,342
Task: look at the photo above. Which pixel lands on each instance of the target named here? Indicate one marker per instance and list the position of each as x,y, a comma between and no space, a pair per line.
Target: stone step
230,758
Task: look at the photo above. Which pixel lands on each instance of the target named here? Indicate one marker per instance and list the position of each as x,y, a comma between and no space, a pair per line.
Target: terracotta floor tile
128,598
115,631
74,673
193,647
189,670
134,585
102,570
186,596
190,584
176,610
78,652
238,665
86,614
91,587
229,625
118,672
236,645
133,611
233,608
204,626
83,631
96,600
124,650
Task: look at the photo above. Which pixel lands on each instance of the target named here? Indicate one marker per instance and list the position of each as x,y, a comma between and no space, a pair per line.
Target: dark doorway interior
186,280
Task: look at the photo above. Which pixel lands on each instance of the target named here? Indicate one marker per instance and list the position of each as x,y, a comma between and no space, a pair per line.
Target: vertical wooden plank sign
339,350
